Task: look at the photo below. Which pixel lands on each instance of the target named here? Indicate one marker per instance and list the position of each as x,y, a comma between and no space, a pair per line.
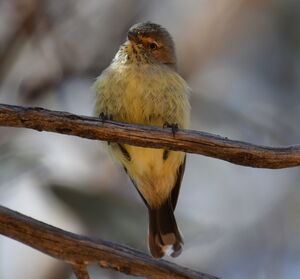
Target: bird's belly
153,175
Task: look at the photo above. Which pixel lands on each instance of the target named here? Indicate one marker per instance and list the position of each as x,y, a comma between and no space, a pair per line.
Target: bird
142,86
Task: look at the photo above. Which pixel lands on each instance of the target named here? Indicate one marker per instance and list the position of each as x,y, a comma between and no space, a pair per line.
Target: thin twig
80,251
236,152
80,270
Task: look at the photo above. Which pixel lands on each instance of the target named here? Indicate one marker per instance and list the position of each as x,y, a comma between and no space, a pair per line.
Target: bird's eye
153,46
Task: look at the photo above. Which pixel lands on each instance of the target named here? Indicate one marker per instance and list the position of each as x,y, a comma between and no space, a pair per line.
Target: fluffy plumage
142,86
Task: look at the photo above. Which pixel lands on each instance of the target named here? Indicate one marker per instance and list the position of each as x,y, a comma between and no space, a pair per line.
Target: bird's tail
164,236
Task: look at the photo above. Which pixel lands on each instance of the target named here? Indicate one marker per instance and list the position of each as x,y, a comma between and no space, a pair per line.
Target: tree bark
237,152
80,251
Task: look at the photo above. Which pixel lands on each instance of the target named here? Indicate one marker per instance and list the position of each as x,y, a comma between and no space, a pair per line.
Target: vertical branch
80,269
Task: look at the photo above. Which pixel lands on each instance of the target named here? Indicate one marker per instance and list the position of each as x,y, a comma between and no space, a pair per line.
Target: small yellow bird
142,86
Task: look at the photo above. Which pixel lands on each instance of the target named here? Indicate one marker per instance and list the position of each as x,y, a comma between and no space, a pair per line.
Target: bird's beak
133,36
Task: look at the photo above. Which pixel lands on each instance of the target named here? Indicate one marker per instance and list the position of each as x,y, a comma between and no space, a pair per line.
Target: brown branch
80,251
236,152
80,270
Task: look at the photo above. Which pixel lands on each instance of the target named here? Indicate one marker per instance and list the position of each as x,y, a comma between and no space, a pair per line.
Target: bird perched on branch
142,86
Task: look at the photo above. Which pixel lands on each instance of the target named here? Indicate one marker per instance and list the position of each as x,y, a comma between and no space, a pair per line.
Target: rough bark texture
80,251
236,152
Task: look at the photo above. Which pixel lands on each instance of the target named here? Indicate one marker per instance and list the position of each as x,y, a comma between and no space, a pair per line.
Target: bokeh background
242,60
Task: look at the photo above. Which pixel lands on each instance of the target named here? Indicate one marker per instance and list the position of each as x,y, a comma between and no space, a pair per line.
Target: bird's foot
173,126
104,117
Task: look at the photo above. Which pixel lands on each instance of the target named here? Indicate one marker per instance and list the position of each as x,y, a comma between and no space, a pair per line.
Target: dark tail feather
163,231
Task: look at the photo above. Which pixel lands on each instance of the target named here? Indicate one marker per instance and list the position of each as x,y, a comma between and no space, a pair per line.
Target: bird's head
151,40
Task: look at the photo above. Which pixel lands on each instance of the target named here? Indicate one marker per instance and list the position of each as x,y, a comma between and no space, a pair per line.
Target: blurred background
242,60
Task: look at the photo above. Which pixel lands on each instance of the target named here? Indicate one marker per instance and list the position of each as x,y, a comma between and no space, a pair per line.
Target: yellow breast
152,95
145,94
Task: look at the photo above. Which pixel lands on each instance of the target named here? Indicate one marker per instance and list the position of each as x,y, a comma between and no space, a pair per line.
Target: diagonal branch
236,152
80,251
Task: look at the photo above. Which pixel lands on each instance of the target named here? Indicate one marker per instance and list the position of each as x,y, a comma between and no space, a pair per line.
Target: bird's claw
104,117
173,126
